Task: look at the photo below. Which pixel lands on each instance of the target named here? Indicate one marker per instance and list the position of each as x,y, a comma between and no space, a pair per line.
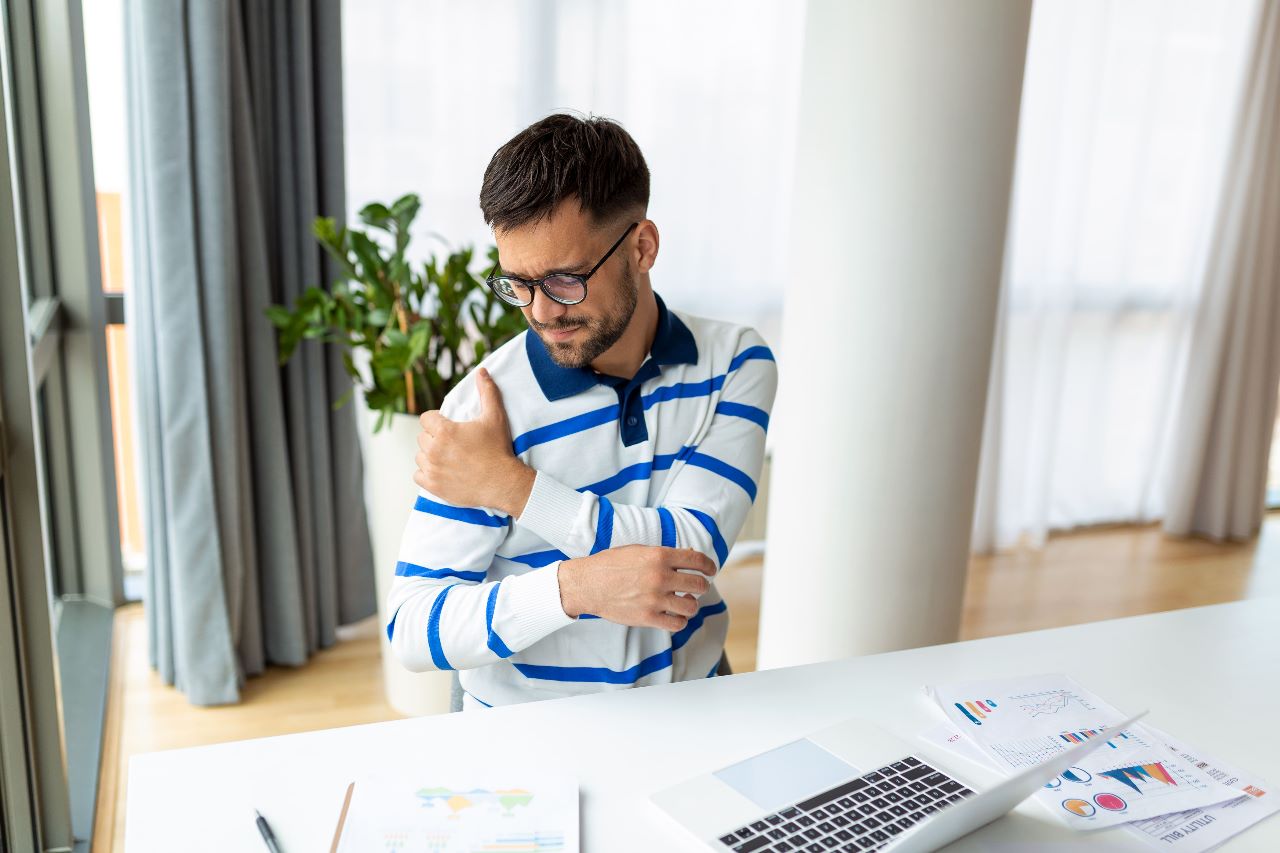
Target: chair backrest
455,694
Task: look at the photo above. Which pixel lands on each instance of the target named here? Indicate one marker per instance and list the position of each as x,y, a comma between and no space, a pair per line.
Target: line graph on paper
1050,702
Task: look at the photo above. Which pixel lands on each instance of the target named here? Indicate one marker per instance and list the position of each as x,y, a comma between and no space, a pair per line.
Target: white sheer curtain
1126,113
708,89
1228,412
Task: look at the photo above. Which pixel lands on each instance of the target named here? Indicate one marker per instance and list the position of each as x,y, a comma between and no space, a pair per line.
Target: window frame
61,575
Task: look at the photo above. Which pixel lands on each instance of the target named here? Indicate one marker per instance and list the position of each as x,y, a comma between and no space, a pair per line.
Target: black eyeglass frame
540,283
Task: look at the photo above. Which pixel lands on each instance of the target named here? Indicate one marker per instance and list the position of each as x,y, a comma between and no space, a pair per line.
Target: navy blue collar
672,344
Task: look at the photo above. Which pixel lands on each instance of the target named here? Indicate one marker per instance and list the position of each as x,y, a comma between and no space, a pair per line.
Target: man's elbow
411,657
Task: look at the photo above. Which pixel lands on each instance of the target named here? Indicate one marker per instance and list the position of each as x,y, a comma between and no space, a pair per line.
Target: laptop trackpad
784,775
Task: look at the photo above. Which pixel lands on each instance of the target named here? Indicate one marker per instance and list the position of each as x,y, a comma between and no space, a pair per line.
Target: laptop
810,795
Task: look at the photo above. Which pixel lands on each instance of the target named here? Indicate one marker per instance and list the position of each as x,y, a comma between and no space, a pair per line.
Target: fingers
684,582
688,558
432,422
490,395
667,622
681,605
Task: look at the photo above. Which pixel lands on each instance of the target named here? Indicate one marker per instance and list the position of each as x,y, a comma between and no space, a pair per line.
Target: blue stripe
742,410
587,616
756,352
496,645
411,570
459,513
604,526
668,527
391,626
433,630
663,461
638,471
560,429
717,541
648,666
683,390
537,559
724,469
477,698
714,669
597,417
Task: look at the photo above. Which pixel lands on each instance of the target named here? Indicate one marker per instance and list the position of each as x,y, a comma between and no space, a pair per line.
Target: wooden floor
1077,577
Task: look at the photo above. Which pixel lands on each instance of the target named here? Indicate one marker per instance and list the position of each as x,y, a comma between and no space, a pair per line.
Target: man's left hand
470,463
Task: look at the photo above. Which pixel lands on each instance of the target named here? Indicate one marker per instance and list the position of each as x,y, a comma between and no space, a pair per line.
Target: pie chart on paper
1083,808
1110,802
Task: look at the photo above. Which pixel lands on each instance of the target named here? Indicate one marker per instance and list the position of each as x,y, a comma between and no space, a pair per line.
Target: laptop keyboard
864,814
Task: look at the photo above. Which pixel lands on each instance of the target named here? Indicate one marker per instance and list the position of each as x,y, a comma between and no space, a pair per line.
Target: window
711,97
104,60
58,505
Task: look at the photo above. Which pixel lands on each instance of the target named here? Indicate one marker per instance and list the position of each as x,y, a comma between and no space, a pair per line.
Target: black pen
267,835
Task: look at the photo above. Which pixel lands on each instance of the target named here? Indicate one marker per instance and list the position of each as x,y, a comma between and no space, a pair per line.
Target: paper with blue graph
406,812
1019,722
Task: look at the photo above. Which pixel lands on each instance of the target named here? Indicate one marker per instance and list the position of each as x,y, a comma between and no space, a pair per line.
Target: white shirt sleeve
444,612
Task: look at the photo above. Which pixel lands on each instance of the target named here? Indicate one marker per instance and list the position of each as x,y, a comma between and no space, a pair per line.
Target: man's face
575,335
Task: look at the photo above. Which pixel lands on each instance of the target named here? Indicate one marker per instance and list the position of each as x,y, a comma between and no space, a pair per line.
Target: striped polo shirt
668,457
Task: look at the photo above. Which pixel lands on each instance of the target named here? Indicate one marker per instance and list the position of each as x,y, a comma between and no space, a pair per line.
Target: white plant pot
389,493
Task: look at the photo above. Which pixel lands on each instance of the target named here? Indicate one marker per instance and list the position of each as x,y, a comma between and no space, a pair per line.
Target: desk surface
1204,671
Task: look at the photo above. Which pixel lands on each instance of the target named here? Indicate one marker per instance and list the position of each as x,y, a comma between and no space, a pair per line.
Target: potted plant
407,334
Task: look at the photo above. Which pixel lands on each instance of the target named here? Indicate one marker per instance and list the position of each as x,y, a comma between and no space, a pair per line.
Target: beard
600,333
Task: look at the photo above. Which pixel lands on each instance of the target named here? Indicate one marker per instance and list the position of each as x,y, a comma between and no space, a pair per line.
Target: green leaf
375,214
405,208
325,230
367,253
279,316
350,365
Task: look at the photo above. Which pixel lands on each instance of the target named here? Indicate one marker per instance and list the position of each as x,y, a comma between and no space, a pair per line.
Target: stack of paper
1161,790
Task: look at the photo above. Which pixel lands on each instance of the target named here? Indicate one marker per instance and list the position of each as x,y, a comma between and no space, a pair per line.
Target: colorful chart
1144,773
976,710
1077,774
1084,734
535,843
1083,808
1050,702
1110,802
1056,783
459,800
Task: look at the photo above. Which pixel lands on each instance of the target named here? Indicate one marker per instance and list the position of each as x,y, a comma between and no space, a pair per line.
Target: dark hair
563,155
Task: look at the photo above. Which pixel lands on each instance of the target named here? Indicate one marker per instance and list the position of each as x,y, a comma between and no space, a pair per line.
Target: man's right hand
636,585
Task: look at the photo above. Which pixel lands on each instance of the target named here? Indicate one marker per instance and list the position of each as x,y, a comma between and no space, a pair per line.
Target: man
569,524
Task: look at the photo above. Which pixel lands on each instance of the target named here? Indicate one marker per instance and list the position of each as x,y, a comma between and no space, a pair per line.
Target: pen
267,835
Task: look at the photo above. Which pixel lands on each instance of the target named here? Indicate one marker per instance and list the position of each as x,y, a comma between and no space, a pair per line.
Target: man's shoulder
508,360
720,339
509,367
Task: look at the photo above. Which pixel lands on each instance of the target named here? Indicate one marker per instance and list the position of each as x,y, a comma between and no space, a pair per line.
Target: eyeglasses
565,288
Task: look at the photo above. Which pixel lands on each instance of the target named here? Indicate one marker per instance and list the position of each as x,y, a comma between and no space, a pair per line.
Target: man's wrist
516,488
568,575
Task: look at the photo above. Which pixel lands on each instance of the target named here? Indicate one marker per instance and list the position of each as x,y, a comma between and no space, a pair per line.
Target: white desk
1210,675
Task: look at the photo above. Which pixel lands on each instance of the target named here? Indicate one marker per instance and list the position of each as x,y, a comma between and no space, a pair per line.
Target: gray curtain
1219,471
257,543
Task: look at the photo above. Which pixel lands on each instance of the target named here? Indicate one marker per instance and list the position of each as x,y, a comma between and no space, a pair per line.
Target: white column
907,130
